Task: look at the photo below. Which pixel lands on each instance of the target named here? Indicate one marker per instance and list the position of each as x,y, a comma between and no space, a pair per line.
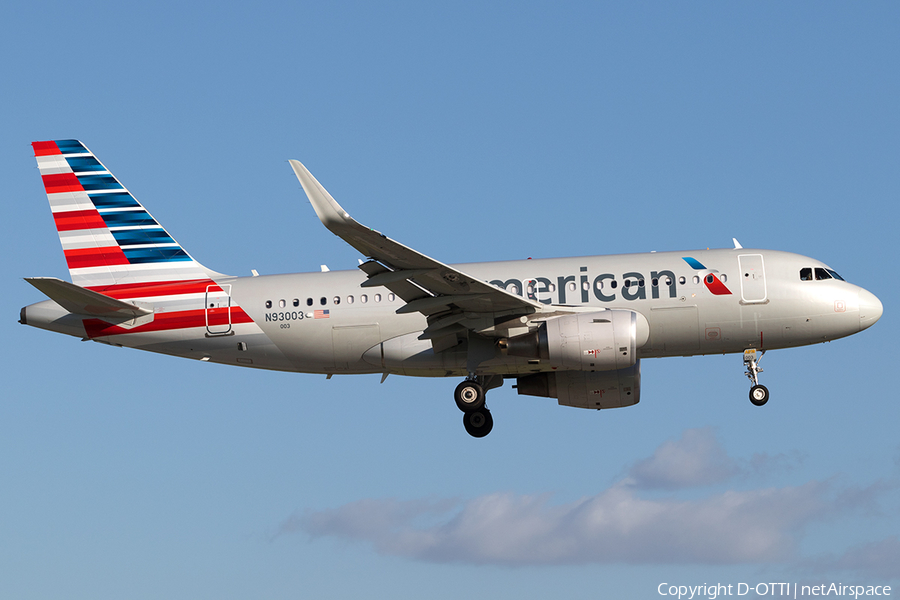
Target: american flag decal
321,314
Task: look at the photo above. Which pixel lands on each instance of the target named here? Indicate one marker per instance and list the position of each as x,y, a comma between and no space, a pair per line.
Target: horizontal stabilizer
80,301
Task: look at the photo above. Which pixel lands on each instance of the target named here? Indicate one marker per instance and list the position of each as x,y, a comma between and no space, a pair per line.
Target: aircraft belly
805,330
310,348
712,329
408,355
350,342
246,347
674,330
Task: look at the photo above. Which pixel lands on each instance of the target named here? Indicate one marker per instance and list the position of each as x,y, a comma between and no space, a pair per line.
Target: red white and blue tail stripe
109,239
114,247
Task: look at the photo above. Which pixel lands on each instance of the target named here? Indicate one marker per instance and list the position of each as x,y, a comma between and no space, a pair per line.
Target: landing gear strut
759,394
470,398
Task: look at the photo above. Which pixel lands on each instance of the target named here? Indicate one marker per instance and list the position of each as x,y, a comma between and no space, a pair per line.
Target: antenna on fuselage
737,244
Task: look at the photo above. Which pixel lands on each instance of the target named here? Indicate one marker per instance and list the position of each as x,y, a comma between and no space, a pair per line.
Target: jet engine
596,341
601,389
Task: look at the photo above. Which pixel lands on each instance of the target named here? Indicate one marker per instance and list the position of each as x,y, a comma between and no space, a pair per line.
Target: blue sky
468,132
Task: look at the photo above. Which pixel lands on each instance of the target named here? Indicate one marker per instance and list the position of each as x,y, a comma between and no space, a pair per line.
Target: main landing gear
470,397
759,394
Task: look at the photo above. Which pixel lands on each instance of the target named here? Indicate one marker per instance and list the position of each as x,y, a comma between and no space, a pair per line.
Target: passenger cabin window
282,303
309,301
336,299
391,297
363,298
349,299
296,302
268,304
806,274
377,297
323,300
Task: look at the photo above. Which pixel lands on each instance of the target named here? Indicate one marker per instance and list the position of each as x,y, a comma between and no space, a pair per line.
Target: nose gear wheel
759,394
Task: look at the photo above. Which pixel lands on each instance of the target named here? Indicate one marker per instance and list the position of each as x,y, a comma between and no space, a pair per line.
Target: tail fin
108,238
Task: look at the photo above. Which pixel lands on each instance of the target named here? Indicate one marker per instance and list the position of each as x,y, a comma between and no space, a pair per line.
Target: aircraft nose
870,309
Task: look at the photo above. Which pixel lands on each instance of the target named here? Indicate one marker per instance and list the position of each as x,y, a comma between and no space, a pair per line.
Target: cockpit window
822,274
835,275
806,274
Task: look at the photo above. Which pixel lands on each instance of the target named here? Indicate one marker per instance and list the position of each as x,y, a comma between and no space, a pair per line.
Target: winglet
737,244
328,210
333,215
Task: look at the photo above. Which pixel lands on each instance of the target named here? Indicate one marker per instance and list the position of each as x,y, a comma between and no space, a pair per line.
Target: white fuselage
328,323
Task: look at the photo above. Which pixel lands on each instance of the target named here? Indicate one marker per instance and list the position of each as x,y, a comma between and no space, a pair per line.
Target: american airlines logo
607,287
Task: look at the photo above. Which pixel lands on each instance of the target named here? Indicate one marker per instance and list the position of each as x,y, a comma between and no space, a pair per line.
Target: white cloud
695,459
614,526
626,523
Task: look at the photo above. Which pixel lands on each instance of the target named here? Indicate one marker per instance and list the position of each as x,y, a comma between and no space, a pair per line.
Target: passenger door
753,278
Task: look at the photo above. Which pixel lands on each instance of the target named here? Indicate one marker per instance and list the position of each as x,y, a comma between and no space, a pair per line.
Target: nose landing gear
759,394
470,399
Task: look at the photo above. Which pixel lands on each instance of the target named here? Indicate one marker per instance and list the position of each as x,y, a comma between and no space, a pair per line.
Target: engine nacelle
598,341
602,389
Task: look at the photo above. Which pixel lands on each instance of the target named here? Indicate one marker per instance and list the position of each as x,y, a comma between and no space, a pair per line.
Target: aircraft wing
428,286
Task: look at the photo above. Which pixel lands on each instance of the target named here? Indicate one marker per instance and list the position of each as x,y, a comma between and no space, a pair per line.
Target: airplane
573,329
